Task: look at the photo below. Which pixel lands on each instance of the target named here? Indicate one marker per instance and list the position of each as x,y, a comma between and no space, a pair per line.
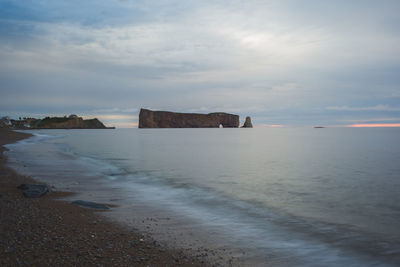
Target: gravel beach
47,232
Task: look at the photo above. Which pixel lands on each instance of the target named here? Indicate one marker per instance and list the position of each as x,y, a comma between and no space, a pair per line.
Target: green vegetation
48,120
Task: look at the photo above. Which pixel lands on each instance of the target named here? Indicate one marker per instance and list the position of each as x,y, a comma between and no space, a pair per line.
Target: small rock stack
247,123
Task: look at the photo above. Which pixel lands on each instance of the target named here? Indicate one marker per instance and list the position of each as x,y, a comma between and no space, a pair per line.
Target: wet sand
48,232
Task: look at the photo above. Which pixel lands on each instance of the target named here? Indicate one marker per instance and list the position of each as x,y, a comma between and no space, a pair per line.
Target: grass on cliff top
49,120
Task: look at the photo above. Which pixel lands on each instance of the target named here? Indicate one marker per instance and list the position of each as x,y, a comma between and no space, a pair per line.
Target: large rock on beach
90,205
166,119
247,123
34,190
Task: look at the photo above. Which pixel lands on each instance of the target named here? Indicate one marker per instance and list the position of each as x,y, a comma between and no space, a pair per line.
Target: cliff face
166,119
69,123
93,124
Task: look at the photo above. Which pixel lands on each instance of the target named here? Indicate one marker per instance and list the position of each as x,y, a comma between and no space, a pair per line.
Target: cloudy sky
286,62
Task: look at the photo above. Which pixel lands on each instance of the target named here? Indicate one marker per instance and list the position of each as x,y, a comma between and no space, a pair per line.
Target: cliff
68,123
71,122
166,119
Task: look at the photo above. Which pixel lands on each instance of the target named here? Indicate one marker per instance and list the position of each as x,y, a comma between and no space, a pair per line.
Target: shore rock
247,123
34,190
91,205
166,119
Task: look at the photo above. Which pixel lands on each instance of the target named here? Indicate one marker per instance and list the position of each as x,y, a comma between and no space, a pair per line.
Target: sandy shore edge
46,232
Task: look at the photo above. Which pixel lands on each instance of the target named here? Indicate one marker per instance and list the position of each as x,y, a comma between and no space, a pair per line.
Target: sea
260,197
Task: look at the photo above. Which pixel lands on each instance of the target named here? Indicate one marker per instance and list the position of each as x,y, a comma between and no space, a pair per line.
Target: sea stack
247,123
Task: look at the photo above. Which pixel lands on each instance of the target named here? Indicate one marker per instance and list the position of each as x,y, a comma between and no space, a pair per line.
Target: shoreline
47,231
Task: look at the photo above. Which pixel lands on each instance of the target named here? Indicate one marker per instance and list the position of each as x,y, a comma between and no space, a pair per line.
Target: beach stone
34,190
91,205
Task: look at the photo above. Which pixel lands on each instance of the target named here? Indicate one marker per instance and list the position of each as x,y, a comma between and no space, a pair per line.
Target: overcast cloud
281,62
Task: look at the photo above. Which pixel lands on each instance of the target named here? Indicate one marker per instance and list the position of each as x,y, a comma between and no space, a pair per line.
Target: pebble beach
48,232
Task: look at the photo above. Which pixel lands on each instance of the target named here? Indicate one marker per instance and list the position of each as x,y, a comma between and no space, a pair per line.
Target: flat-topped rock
166,119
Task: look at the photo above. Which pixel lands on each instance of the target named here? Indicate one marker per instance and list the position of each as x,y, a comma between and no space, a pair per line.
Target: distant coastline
70,122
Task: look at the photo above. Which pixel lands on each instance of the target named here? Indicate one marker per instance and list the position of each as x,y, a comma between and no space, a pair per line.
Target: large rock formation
247,123
166,119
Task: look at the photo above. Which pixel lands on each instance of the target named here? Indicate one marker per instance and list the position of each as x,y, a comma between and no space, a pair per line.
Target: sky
286,62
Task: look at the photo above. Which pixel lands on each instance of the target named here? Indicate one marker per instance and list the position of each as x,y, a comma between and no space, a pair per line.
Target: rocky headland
167,119
70,122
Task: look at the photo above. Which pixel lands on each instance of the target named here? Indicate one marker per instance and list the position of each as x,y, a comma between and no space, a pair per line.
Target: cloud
115,110
372,108
276,60
116,120
113,117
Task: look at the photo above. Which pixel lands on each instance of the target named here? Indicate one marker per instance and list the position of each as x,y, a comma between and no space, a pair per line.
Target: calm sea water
288,196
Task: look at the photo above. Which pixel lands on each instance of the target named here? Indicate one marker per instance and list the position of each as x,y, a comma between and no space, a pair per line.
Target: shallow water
321,197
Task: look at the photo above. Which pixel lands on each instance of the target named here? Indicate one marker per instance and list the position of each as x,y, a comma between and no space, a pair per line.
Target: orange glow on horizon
269,125
374,125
